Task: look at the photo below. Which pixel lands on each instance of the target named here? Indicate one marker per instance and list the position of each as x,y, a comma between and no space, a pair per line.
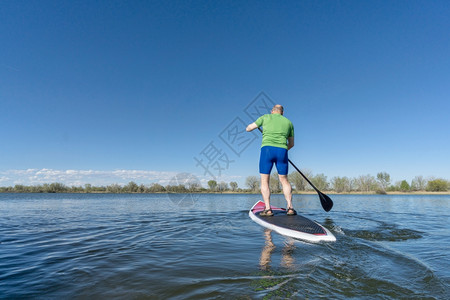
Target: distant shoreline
244,193
375,193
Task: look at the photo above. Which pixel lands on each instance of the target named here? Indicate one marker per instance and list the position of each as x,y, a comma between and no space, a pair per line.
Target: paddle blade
326,202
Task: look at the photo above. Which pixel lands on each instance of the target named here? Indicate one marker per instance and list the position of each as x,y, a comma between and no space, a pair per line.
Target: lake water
205,246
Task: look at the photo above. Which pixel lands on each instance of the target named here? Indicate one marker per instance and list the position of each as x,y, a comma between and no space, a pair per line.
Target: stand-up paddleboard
296,226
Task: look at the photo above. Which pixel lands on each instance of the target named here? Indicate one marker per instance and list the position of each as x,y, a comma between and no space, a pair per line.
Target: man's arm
290,142
251,127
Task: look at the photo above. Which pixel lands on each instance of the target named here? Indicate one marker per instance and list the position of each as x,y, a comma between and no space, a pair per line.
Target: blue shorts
271,155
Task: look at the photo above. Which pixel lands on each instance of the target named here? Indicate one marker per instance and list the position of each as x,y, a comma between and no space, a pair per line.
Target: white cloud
103,177
81,177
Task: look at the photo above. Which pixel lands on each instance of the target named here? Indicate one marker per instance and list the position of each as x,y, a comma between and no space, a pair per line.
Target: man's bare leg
287,189
265,190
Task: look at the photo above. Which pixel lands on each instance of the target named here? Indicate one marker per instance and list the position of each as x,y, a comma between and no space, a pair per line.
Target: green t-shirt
276,130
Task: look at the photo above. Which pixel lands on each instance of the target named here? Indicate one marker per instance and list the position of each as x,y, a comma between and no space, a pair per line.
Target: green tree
212,185
404,186
19,188
99,189
181,188
437,185
76,189
341,184
320,182
87,188
36,189
222,186
234,186
365,183
193,186
114,188
384,180
418,184
142,189
253,183
298,182
131,187
57,187
274,183
156,188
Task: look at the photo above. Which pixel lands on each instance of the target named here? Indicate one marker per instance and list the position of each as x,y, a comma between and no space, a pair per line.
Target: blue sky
114,91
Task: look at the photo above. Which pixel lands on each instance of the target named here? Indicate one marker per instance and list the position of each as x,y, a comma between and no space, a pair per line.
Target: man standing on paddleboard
278,138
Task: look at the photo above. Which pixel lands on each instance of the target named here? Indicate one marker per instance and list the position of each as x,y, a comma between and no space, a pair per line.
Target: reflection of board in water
293,226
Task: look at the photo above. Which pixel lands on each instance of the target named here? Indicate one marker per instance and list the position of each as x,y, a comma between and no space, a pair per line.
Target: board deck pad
296,226
296,222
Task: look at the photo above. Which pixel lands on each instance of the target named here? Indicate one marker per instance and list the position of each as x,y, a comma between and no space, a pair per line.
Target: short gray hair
278,108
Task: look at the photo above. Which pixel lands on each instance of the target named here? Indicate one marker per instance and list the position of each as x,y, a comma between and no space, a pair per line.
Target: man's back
276,130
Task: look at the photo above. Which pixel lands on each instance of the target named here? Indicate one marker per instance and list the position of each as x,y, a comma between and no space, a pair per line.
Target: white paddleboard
296,226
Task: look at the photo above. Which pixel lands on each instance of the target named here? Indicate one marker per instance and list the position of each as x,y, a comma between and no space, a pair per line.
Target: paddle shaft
298,170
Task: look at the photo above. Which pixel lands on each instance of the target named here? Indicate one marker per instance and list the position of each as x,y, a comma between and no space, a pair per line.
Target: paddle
326,201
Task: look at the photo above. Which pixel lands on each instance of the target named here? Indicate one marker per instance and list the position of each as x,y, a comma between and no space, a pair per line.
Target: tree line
380,184
131,187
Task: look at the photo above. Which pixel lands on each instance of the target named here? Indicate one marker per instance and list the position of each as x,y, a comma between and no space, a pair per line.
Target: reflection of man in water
287,260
